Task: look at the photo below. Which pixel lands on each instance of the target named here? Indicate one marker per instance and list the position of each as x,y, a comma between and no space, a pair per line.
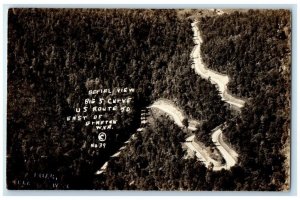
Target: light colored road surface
220,80
201,154
174,112
229,155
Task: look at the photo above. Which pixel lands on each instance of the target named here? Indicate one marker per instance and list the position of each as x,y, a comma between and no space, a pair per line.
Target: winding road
229,155
178,115
219,79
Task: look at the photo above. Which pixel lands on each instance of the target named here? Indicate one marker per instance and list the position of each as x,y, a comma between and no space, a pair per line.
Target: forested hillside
55,56
154,161
253,48
249,47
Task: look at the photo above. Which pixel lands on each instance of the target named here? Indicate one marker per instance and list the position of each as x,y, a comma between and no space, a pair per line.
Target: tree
185,122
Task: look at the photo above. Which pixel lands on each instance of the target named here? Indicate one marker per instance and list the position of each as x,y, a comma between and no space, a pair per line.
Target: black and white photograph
146,99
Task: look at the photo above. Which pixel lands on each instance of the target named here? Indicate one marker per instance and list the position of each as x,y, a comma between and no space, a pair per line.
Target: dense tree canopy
56,55
253,48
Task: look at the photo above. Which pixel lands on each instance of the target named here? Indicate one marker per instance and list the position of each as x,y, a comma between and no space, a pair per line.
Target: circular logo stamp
102,137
